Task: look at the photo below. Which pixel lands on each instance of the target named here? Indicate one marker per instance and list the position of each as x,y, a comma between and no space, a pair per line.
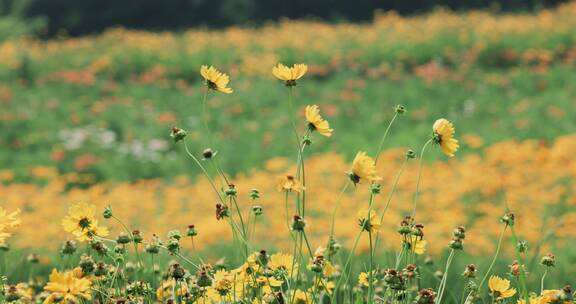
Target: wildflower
215,80
470,271
532,300
508,218
444,136
425,296
500,288
419,245
8,221
316,122
254,194
208,153
222,211
289,74
301,297
298,223
82,223
364,279
191,231
516,268
177,134
548,260
289,183
363,168
257,210
400,109
393,279
69,247
168,289
283,262
67,287
369,220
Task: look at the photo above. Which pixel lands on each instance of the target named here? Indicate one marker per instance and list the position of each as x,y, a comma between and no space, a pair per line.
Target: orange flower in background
8,221
289,183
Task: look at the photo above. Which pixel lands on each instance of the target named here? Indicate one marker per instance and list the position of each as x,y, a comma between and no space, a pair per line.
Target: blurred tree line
80,17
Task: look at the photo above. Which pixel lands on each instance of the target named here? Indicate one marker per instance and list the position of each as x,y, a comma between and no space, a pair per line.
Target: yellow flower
222,281
289,75
301,297
500,288
215,79
168,287
552,296
444,136
364,279
274,282
8,221
419,245
67,287
82,223
369,222
281,261
316,122
364,168
289,183
532,300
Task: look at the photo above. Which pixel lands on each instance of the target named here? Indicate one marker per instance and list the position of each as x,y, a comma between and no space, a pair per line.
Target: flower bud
174,234
12,294
262,257
123,238
456,244
298,223
203,279
176,271
470,271
191,231
522,246
375,188
177,134
231,191
257,210
508,219
548,260
137,237
100,270
425,296
107,213
99,247
410,154
86,264
69,247
307,140
33,258
222,211
208,153
254,194
173,246
119,249
400,109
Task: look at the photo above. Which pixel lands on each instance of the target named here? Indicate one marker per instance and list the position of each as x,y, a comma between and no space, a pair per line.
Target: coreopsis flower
500,288
364,279
8,221
215,80
283,262
419,245
369,220
82,223
316,122
301,297
167,289
67,287
444,136
289,74
363,168
532,300
289,183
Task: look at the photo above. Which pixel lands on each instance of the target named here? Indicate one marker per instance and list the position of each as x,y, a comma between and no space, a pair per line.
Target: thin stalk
370,268
381,145
442,285
493,259
205,172
415,201
542,280
337,206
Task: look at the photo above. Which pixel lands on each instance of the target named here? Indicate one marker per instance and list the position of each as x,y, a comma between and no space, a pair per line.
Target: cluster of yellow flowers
334,46
530,172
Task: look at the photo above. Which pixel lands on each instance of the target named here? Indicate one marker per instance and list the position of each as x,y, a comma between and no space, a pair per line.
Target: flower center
84,223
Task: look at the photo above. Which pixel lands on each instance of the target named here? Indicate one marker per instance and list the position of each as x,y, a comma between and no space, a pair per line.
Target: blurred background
90,89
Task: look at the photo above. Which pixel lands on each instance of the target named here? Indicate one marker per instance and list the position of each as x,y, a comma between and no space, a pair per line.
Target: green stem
522,271
542,281
442,285
336,207
415,201
498,246
204,172
371,267
381,145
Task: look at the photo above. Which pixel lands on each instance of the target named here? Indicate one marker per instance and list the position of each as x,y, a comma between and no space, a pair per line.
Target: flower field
427,159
